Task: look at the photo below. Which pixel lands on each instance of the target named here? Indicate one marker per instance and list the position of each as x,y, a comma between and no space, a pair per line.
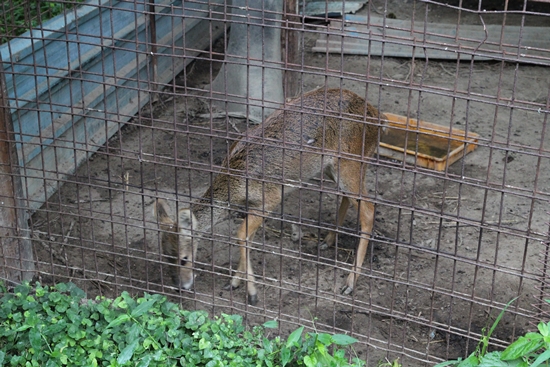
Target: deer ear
186,220
160,210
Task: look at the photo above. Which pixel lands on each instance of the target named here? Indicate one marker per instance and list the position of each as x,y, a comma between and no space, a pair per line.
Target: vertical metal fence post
292,49
153,49
16,259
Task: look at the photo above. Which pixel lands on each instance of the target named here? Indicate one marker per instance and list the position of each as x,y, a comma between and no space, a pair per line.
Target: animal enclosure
449,247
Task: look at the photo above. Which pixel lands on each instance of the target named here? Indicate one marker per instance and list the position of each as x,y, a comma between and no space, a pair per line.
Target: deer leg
331,236
246,233
352,180
366,217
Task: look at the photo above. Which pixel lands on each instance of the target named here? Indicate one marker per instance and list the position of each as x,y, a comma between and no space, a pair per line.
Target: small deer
330,132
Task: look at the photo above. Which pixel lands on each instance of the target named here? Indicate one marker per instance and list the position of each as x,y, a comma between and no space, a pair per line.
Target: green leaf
132,332
204,344
145,361
22,327
310,361
127,352
343,340
143,308
523,346
294,337
40,291
75,292
54,297
285,356
35,338
492,359
119,320
543,329
64,359
321,349
61,287
267,345
2,356
273,324
157,355
542,358
497,320
323,338
471,361
61,307
518,363
120,303
195,319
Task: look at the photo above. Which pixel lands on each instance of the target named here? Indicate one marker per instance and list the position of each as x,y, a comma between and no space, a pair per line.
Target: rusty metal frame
97,229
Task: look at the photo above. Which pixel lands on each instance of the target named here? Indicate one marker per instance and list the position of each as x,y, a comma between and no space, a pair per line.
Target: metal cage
113,104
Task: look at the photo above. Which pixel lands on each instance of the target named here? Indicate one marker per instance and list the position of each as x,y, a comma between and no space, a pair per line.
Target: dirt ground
435,276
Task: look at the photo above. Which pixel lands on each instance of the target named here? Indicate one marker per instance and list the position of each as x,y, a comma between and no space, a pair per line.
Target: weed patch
43,326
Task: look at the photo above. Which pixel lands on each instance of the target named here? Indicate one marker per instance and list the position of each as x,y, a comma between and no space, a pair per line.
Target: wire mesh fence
113,105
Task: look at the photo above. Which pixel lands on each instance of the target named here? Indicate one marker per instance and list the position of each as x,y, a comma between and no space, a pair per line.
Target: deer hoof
347,290
230,287
253,299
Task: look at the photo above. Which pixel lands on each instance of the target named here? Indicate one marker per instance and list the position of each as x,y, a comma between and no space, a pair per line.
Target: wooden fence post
16,258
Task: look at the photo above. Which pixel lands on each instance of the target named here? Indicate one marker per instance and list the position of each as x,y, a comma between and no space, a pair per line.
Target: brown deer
324,131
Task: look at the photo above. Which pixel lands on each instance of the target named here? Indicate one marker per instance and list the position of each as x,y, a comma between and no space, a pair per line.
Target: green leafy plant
312,350
388,363
56,326
530,350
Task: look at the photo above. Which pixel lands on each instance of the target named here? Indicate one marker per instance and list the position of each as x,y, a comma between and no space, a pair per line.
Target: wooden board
16,258
399,38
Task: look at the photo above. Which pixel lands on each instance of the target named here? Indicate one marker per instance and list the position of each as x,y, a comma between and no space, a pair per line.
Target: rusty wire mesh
115,131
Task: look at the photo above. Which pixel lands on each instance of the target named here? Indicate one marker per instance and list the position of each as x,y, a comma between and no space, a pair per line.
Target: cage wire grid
129,109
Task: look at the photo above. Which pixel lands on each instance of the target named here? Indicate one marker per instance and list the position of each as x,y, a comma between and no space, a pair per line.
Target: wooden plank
398,38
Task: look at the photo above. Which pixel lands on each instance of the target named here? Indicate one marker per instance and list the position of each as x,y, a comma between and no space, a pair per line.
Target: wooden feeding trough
425,144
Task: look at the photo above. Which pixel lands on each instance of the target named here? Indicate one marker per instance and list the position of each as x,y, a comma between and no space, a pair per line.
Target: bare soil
449,250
